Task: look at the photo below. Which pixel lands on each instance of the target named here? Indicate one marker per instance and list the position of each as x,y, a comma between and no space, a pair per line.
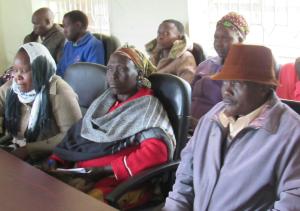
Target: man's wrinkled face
242,97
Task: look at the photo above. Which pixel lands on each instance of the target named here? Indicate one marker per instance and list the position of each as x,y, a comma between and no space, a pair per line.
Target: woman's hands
21,153
82,184
81,181
99,172
49,165
93,173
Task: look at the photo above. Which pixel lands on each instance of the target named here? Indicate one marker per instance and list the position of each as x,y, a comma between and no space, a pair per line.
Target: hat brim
231,77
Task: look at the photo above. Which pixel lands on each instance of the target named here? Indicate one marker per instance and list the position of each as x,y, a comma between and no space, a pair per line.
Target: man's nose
227,85
115,74
160,36
218,43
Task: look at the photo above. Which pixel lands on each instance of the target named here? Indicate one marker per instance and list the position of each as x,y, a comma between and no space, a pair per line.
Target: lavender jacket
260,170
205,92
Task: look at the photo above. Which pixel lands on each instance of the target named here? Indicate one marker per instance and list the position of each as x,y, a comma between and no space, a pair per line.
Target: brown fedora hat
253,63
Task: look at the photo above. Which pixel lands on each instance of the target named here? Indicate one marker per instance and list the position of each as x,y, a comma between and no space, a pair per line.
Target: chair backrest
111,43
198,53
175,95
295,105
88,80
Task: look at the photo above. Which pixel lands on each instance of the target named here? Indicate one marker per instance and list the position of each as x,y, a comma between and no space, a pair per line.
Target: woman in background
170,51
231,29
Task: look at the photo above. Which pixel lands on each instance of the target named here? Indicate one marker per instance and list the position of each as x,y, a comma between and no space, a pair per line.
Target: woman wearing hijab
231,29
125,131
37,107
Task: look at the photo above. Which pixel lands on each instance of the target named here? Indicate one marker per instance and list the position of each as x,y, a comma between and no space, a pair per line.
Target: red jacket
132,160
289,87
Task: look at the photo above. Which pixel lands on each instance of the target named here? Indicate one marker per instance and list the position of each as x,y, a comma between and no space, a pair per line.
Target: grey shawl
129,119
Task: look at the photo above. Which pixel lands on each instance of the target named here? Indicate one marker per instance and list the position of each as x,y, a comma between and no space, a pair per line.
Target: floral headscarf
235,22
141,62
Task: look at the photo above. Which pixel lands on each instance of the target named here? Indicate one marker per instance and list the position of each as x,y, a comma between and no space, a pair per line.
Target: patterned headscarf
235,22
141,62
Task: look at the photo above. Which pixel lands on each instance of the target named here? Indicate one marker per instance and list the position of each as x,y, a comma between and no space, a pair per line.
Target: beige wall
15,23
198,14
136,21
132,21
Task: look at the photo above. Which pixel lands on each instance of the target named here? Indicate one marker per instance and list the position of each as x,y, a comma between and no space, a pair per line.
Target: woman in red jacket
289,81
125,131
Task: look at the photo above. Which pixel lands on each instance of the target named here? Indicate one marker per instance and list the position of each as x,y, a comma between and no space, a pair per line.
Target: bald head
42,20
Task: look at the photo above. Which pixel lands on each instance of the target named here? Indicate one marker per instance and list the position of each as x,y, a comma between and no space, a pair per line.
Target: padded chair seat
198,53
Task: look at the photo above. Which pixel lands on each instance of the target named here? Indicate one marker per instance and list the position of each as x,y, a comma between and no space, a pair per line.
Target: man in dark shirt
47,32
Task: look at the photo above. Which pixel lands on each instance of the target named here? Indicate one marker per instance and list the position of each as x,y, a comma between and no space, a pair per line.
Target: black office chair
295,105
175,95
198,53
88,80
111,43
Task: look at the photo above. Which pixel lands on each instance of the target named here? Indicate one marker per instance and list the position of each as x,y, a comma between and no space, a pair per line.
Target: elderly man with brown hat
245,152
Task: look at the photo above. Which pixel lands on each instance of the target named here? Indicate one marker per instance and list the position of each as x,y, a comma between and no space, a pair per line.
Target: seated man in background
48,33
45,31
170,51
231,29
82,46
245,152
125,131
37,107
289,81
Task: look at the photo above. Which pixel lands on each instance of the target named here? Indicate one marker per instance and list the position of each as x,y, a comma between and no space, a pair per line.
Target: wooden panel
23,187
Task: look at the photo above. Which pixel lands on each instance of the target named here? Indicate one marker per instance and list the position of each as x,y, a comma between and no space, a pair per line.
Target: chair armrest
139,179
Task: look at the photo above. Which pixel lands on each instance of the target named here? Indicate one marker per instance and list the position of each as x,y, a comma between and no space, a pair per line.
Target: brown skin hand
21,153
